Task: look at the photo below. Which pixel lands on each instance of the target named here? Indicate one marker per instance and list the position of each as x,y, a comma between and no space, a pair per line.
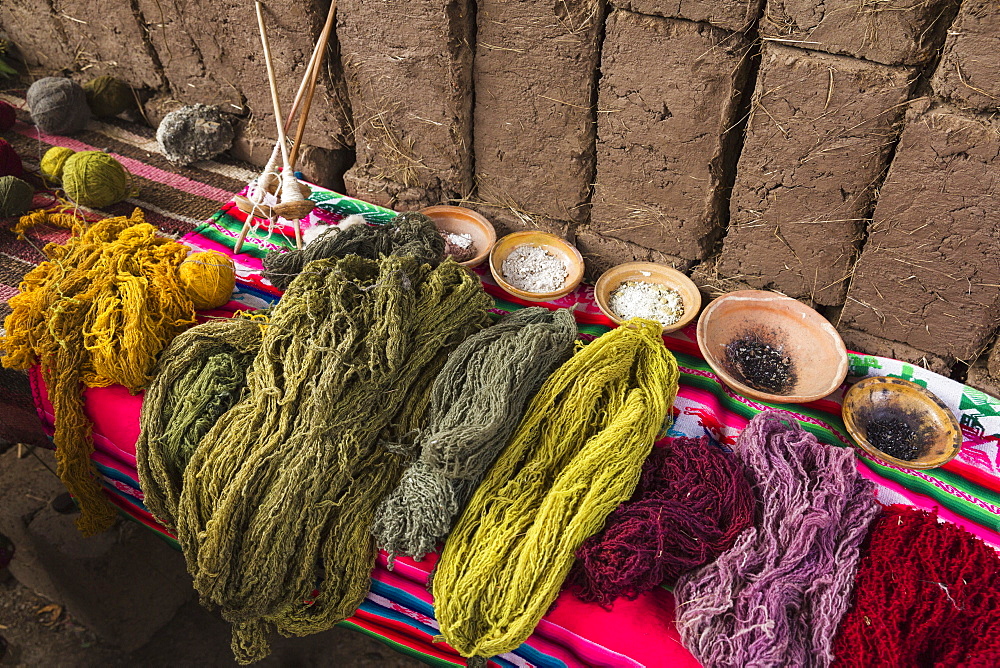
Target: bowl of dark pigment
771,347
901,423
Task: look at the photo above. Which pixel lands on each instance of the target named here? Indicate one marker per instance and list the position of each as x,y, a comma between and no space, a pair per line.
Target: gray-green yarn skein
198,378
278,501
478,400
410,233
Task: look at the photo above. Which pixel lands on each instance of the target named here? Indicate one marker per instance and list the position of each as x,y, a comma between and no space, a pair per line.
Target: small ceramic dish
558,246
459,220
648,272
817,355
938,434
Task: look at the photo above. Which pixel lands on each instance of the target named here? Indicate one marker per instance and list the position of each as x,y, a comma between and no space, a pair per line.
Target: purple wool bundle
692,501
777,597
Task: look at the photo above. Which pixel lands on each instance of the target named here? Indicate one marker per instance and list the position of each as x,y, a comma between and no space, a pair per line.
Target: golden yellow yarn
576,455
208,278
53,162
98,311
57,218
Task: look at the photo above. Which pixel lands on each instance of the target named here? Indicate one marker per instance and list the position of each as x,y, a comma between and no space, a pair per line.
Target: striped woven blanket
398,609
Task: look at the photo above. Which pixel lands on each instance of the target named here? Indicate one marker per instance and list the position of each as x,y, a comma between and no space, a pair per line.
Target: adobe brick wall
816,148
893,32
969,72
37,33
210,53
668,100
411,98
534,77
929,273
735,15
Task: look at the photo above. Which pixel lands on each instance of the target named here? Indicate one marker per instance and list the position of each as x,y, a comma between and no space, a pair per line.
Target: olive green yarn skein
94,179
199,376
575,457
108,96
15,196
279,497
478,399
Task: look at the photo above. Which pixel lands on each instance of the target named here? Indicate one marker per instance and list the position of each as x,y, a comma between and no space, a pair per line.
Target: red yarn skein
691,503
926,594
10,162
8,116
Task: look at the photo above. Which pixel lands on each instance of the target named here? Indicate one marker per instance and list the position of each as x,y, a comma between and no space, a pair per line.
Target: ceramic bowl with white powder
536,266
648,290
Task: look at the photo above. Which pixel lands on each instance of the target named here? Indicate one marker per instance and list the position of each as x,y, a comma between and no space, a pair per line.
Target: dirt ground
40,631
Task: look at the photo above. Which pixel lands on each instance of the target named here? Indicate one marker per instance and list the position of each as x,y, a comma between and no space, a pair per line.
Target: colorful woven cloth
632,633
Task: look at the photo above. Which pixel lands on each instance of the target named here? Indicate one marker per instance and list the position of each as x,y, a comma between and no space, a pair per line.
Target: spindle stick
324,38
272,82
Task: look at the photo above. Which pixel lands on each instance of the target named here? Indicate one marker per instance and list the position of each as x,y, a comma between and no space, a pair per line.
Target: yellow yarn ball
54,161
208,278
94,179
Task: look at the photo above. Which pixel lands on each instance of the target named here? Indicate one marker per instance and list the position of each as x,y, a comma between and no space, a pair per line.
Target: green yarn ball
108,96
15,196
94,179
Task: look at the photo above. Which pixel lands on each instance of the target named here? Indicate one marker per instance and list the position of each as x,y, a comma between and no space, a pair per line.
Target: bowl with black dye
901,423
771,347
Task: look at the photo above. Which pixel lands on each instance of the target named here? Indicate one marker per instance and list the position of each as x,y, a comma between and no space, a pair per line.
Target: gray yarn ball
192,133
58,106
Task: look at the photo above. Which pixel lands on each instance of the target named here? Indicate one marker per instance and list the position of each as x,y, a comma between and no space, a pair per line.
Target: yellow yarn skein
94,179
54,161
97,313
576,455
208,278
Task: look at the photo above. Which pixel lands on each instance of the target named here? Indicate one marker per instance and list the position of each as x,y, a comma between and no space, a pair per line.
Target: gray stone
195,132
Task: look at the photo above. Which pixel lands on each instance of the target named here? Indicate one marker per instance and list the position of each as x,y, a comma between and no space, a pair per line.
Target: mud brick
728,14
36,33
411,94
322,166
930,271
816,147
969,71
534,74
210,52
892,32
108,38
389,194
667,104
600,253
873,345
507,220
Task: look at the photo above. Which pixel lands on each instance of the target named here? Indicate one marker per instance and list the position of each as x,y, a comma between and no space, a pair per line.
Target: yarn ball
108,96
8,116
192,133
10,162
54,161
692,501
58,106
15,196
94,179
208,279
927,593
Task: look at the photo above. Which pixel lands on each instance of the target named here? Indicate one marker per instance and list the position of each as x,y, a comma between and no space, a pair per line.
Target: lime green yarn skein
15,196
94,179
54,161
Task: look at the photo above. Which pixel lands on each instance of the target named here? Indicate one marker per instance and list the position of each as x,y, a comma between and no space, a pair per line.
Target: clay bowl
459,220
648,272
817,353
559,247
939,436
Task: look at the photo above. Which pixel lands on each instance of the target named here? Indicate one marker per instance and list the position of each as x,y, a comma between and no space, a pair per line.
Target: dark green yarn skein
478,400
410,233
199,377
